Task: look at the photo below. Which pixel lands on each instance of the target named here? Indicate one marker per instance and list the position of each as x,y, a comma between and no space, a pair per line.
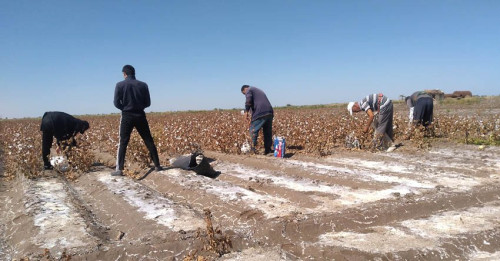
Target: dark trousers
47,138
266,124
422,113
385,122
128,122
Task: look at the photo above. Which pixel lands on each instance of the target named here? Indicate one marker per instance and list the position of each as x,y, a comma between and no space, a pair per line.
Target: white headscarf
349,107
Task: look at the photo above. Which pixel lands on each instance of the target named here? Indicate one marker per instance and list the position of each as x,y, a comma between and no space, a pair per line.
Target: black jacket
62,125
132,95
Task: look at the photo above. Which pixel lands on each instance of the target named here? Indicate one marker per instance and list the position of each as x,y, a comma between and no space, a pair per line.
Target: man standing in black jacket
62,126
132,97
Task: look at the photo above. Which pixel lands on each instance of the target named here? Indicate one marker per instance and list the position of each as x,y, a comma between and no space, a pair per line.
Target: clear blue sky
67,55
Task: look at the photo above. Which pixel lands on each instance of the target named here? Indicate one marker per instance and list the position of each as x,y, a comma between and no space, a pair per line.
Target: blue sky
67,55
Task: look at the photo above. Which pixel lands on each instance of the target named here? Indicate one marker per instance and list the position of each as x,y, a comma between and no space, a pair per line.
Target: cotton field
436,197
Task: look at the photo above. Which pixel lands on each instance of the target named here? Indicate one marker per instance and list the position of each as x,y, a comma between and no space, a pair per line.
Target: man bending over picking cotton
421,105
380,107
63,127
258,105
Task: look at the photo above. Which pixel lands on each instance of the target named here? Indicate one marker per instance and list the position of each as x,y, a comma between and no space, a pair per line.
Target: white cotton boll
60,162
56,160
245,148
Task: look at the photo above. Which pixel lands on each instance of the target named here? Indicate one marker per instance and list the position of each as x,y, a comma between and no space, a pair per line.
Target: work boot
117,173
269,152
48,167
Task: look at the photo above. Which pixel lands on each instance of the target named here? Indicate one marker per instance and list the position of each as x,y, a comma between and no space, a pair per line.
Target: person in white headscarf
380,112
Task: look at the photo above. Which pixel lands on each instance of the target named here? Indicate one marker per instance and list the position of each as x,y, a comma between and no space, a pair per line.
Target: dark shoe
158,168
50,167
269,151
117,173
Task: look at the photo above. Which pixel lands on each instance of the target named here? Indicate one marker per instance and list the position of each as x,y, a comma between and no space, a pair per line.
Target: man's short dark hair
244,87
128,70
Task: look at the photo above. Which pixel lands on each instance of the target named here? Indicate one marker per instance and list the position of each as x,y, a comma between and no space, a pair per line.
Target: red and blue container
279,147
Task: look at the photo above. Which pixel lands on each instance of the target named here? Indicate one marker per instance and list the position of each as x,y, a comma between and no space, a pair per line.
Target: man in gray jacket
262,116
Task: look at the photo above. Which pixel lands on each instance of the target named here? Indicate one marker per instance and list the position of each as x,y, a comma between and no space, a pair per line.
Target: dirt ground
436,204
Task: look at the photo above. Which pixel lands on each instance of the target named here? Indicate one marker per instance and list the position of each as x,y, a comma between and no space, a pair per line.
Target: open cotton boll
57,160
60,162
245,148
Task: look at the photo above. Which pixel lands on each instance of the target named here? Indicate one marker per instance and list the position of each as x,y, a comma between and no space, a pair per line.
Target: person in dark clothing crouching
132,97
262,116
63,127
421,105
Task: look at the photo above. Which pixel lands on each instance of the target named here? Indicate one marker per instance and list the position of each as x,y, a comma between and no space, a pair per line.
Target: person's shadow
151,170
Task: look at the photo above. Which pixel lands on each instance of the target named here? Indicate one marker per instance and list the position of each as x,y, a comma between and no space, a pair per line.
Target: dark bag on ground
200,166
